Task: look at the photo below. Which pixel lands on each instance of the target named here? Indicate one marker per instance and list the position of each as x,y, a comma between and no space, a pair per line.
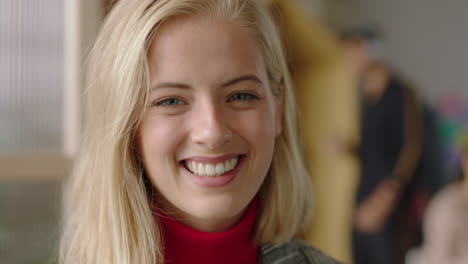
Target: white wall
427,40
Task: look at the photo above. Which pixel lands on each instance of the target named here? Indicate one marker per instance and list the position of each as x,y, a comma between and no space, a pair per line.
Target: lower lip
215,181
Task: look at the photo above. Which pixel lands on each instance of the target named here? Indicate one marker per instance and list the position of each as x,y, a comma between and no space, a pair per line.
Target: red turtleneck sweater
183,244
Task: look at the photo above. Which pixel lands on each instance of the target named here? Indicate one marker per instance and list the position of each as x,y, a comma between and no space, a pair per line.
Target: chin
220,210
221,207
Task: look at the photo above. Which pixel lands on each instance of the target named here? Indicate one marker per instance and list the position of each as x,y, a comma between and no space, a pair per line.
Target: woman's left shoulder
293,252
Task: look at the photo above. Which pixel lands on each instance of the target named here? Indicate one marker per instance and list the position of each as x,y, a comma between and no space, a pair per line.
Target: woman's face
207,138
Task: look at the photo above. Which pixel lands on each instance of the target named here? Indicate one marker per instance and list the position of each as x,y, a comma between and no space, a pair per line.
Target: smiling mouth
210,169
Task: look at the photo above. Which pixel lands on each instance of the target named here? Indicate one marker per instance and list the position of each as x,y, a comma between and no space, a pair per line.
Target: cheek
259,129
158,138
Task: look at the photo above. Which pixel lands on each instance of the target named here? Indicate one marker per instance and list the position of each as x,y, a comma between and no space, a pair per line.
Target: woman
190,152
445,232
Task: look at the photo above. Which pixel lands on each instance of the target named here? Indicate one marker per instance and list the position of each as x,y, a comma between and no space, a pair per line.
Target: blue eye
243,97
169,102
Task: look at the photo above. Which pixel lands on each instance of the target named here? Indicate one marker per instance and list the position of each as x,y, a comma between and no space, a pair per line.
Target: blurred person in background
391,143
190,153
445,223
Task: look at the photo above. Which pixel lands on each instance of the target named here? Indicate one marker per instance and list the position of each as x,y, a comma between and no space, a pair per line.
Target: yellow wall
328,115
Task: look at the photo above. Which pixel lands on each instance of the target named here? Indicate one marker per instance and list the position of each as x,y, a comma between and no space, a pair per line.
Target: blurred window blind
31,76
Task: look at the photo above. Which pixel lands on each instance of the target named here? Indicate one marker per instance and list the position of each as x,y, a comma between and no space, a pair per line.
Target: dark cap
369,34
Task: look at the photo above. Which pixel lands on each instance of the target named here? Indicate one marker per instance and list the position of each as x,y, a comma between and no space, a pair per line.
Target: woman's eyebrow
242,78
186,86
170,85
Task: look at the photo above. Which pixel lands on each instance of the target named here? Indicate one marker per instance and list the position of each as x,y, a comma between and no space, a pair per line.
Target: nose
210,127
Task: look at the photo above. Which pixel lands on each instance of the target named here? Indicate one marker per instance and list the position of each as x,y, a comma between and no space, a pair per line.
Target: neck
373,98
184,244
212,225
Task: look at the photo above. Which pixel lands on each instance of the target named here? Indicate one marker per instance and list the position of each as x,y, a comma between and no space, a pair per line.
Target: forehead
196,47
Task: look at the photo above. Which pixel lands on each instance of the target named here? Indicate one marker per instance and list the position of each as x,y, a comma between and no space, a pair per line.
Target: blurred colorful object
464,143
453,127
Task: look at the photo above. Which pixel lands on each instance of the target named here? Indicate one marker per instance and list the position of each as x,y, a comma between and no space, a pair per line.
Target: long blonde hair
107,217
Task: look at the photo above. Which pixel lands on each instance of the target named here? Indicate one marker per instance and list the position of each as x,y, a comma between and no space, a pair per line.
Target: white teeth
219,168
210,170
201,169
192,166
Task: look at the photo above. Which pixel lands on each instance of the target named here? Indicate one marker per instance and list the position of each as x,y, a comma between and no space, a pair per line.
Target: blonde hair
107,217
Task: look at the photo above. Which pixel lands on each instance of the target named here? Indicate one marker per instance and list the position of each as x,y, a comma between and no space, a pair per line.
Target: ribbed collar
183,244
